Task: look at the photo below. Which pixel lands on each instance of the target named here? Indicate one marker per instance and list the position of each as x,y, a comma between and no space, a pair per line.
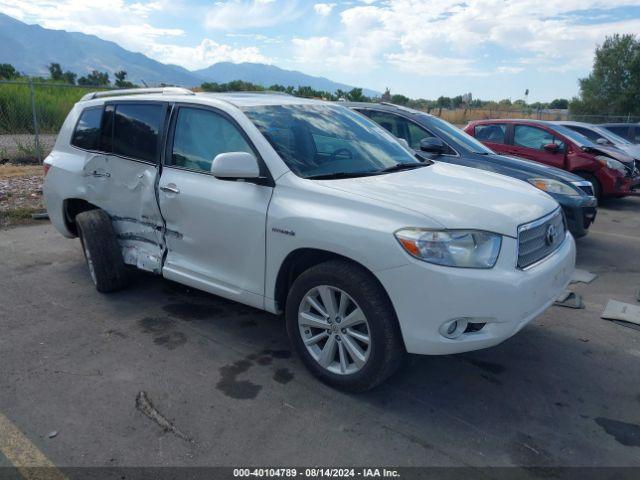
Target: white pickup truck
307,208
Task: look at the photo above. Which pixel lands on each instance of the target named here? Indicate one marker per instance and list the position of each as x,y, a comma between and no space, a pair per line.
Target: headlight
553,186
452,248
612,164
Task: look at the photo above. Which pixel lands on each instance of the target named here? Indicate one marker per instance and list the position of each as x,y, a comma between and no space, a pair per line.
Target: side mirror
602,141
432,145
552,147
404,143
235,165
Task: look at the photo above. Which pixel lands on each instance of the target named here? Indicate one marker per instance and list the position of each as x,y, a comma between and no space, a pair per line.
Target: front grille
540,238
586,188
632,168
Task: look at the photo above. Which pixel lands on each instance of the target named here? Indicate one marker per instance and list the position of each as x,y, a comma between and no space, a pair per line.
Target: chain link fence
31,114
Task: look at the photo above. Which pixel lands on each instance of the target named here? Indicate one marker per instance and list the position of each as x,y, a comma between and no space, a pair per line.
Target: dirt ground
20,193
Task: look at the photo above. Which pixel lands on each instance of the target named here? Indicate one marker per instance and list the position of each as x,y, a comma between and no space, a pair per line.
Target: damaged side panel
126,190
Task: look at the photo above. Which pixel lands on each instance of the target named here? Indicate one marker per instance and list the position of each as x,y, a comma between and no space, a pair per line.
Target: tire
101,251
597,189
382,355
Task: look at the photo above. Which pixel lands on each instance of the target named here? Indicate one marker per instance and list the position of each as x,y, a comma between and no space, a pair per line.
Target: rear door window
87,132
491,133
400,127
136,130
202,134
532,137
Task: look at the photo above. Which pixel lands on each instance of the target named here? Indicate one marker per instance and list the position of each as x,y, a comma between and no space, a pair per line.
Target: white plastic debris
622,311
569,299
582,276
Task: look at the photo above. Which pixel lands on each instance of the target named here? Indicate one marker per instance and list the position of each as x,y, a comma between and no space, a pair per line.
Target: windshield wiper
338,175
403,166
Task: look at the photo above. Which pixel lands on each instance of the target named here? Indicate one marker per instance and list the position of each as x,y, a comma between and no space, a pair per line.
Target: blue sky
492,48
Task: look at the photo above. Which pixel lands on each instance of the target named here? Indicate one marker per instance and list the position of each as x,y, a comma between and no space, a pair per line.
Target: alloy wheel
334,330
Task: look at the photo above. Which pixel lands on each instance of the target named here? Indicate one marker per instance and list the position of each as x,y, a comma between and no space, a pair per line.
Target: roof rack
137,91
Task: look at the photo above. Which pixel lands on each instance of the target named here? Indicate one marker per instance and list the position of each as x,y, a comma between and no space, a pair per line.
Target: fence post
35,121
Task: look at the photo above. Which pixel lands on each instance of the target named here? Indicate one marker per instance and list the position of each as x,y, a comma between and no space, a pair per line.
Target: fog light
454,328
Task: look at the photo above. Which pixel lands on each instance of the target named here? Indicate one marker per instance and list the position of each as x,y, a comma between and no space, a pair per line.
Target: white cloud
431,66
207,53
450,37
242,14
128,24
323,9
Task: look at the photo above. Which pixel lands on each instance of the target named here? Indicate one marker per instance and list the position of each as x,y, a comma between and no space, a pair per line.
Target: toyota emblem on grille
551,234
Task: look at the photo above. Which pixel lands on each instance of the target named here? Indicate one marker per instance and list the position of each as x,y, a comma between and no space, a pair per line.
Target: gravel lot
563,392
21,147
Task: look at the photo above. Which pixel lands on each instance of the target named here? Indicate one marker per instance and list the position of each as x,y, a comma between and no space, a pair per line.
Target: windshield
316,140
578,138
612,137
457,136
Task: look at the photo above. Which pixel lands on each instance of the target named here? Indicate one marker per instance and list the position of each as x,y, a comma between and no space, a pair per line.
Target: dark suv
630,131
441,141
612,172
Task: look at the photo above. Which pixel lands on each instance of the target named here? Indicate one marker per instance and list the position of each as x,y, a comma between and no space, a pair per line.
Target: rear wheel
597,189
101,251
343,326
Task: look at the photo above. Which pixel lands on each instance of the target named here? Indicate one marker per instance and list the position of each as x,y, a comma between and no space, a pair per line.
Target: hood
632,150
612,152
455,196
519,168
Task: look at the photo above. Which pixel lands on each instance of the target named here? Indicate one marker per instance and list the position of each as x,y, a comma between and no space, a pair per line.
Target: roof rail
137,91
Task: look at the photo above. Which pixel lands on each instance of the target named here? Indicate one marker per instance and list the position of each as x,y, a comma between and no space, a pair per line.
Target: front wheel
597,189
343,326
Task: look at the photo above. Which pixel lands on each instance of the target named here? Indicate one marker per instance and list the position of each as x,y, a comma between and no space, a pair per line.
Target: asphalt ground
221,387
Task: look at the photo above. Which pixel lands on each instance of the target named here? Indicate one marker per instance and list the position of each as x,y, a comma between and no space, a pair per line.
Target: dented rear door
123,182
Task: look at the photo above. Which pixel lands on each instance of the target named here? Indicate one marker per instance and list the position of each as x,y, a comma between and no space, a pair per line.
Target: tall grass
53,102
462,116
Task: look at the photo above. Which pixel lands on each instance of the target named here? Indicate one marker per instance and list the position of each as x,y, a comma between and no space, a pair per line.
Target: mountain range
31,48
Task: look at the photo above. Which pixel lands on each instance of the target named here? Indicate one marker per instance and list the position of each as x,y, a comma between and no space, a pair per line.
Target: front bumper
580,213
504,298
615,185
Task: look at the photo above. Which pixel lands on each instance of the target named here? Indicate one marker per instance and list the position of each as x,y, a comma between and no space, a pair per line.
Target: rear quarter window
492,133
87,132
135,130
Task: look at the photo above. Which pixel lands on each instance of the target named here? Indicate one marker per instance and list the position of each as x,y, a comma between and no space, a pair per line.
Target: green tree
399,99
456,102
121,80
559,103
443,102
69,77
95,79
356,95
612,86
341,94
8,71
55,71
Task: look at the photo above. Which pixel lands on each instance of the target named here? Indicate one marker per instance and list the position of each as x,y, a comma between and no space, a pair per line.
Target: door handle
170,189
95,173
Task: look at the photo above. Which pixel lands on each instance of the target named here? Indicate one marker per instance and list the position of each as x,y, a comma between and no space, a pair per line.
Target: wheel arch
72,207
300,260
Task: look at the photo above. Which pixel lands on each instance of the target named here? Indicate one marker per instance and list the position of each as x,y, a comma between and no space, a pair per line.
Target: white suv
307,208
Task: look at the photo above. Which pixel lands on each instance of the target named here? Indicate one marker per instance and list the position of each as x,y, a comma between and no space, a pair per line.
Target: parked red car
612,172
